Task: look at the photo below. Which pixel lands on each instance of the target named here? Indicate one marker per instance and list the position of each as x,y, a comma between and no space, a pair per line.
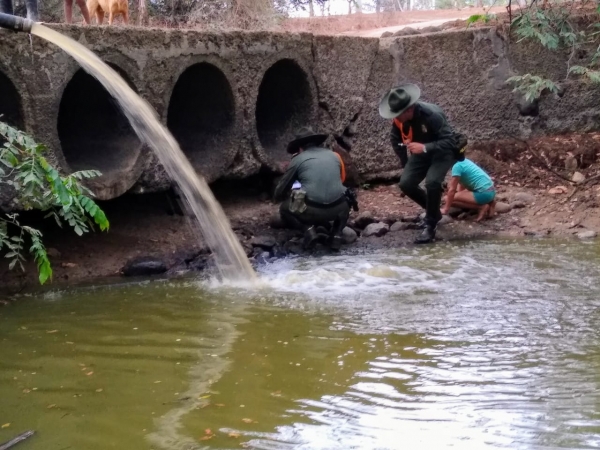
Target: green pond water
492,344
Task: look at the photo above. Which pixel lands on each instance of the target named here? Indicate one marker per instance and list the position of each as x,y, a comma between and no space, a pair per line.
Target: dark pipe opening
10,103
201,116
93,132
284,104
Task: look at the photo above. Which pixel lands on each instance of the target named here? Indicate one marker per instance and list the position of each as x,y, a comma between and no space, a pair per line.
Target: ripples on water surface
480,345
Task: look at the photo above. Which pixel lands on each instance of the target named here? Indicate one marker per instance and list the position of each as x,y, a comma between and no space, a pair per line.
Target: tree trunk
410,5
311,8
349,7
377,6
142,12
358,4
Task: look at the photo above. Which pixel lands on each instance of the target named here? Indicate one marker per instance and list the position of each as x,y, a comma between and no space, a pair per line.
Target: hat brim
384,108
315,139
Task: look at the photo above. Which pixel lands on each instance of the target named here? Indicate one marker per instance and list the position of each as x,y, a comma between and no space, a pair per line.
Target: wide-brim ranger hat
398,100
305,137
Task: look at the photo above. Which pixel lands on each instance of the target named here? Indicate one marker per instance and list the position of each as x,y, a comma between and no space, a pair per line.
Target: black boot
310,237
427,236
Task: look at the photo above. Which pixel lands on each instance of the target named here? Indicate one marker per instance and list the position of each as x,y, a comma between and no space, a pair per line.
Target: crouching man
316,194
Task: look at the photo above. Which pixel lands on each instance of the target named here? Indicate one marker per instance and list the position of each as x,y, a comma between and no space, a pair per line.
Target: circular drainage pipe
10,103
95,134
201,116
284,104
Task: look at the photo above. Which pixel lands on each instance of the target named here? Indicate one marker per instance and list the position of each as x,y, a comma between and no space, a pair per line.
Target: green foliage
591,75
552,27
39,186
532,86
484,18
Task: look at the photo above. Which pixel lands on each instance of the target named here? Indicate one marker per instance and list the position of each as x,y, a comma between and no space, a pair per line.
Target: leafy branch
483,18
553,28
532,86
39,186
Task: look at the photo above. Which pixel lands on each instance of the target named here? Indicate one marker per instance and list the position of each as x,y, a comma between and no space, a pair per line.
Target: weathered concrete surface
233,99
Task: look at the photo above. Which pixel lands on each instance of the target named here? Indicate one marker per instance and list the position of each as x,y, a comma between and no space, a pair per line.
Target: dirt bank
540,200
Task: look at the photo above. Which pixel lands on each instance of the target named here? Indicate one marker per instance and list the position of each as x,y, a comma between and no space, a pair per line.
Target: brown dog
98,8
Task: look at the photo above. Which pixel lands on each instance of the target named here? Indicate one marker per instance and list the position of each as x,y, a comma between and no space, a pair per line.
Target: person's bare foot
483,212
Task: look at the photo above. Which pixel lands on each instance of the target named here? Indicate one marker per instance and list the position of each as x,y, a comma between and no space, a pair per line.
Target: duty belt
325,205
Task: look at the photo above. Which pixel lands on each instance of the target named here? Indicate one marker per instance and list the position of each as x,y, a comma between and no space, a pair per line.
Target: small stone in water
376,229
588,234
400,226
349,235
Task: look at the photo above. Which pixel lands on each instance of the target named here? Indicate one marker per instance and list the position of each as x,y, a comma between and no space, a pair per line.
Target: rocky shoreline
147,239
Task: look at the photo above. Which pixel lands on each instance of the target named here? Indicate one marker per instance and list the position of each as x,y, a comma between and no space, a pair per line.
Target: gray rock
571,163
445,220
400,226
588,234
578,177
263,258
387,34
502,208
349,235
517,204
365,218
293,248
145,265
407,31
525,197
431,29
454,211
265,242
376,229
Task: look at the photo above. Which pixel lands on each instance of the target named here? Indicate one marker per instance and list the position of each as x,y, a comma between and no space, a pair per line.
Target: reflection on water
480,345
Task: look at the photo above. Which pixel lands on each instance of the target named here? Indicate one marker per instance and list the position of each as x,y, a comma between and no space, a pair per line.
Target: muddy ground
532,180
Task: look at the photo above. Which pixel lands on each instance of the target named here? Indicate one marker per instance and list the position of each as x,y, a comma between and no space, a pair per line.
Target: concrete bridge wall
232,100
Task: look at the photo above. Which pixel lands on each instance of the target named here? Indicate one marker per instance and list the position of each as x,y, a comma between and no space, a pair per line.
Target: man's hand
415,148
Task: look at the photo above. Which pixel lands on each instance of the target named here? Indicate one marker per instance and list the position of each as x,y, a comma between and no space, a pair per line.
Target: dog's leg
111,17
126,17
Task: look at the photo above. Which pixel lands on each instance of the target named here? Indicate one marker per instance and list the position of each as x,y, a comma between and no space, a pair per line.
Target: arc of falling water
229,255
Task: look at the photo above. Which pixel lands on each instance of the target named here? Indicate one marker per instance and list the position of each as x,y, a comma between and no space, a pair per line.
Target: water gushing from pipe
229,255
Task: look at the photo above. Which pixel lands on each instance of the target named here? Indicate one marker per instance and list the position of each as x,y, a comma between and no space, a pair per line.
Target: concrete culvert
95,134
201,116
284,104
10,103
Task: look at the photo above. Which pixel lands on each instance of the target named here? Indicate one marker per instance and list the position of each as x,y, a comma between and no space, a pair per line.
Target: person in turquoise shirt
470,188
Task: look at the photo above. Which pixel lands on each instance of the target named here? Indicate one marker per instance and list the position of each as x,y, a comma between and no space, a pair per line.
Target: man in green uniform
317,196
425,143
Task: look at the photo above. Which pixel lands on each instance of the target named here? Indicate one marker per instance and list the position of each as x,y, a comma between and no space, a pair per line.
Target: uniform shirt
430,127
319,172
471,176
